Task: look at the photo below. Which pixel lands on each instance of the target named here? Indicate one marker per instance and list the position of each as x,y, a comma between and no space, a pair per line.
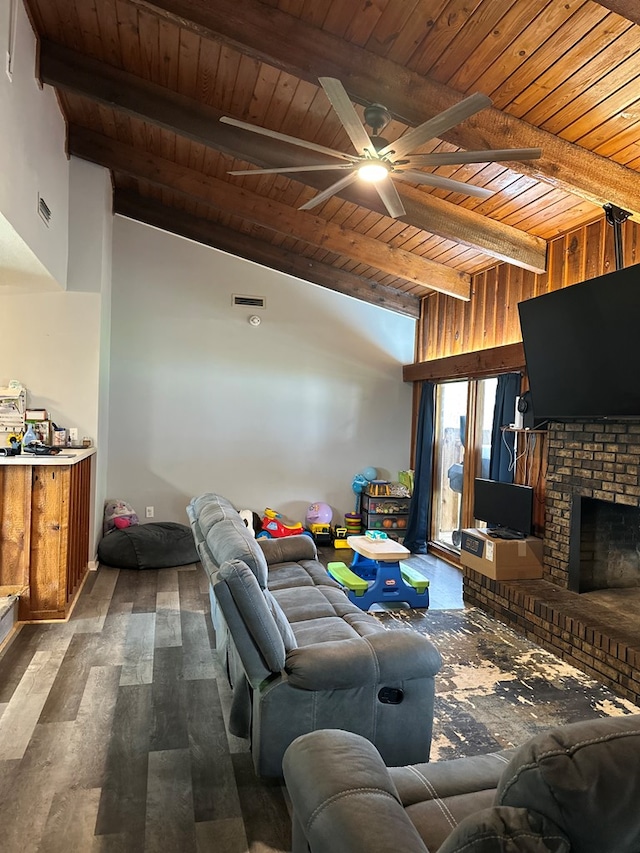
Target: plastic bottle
29,436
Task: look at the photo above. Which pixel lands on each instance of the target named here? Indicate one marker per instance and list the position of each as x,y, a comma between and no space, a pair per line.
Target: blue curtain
420,508
502,444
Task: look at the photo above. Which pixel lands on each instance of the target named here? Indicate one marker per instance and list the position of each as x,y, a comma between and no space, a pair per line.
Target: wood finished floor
112,730
113,733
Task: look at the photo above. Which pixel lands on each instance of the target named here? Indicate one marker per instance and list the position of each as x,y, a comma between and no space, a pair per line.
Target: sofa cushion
301,573
440,780
583,777
289,549
288,637
388,658
508,829
438,795
323,630
304,603
210,508
255,612
229,539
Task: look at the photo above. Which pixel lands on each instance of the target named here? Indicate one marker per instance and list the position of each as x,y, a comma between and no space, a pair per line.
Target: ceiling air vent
248,301
44,210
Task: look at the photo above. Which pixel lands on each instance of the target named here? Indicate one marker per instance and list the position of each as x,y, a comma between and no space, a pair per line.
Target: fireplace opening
604,546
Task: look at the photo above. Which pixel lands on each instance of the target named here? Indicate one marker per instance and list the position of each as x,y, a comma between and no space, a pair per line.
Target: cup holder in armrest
390,695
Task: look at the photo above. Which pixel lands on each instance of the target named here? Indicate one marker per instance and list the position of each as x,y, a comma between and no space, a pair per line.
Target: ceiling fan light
373,172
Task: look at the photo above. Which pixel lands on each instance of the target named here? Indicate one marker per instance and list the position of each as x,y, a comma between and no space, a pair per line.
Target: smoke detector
254,320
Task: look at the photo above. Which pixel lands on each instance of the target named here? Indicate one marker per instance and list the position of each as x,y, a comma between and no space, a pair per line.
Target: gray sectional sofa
299,655
574,788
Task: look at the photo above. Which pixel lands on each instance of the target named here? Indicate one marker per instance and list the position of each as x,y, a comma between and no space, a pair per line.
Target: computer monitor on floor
507,508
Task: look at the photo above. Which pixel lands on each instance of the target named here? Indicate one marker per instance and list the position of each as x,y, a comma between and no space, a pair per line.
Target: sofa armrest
288,549
387,657
344,800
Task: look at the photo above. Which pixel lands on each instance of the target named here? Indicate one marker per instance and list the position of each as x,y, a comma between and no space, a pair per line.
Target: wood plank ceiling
142,85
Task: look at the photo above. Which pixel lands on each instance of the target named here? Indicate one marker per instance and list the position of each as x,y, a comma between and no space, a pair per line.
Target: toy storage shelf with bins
386,513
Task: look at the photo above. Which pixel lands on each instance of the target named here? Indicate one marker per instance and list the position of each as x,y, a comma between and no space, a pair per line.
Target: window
463,424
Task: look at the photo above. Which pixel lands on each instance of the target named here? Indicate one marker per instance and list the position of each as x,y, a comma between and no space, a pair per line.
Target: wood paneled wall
490,319
44,535
449,327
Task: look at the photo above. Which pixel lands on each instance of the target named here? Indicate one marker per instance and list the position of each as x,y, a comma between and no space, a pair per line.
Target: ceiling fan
379,160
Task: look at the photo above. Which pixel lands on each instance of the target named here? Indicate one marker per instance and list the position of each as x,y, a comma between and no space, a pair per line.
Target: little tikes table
376,575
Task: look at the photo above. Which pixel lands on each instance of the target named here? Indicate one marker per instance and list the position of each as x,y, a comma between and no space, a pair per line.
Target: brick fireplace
600,463
586,609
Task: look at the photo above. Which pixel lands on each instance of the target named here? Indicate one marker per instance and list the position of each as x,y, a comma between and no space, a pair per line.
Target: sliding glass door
450,437
463,423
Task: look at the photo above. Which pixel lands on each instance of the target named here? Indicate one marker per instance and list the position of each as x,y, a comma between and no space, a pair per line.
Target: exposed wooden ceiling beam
260,252
70,71
628,9
268,213
288,43
469,365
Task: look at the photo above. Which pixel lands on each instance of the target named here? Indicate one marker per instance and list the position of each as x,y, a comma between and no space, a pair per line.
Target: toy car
321,533
340,537
275,526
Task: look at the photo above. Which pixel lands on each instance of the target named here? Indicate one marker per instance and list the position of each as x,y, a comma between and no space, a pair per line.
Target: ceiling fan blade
302,143
437,125
332,190
390,198
347,114
284,169
455,158
442,183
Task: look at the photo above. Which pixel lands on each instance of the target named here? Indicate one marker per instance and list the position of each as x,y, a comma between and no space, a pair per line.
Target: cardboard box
501,559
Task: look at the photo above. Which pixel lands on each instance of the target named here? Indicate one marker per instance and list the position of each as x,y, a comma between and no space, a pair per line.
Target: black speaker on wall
525,407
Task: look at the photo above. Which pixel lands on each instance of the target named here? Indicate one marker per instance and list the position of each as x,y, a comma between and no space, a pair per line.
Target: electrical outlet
73,435
149,512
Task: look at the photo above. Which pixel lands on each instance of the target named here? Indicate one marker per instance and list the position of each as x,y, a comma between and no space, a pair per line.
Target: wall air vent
44,210
248,301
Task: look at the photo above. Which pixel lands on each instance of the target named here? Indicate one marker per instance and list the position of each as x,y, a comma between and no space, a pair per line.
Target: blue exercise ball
370,474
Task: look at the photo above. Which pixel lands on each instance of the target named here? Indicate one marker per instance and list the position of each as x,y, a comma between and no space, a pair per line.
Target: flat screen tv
582,348
506,506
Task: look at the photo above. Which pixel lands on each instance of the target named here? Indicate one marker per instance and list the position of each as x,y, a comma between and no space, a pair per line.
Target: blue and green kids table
376,574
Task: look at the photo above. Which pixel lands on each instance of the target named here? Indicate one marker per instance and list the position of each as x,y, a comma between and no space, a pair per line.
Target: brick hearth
598,632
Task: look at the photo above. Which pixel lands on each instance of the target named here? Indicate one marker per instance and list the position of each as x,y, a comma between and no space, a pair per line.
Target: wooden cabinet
44,532
385,513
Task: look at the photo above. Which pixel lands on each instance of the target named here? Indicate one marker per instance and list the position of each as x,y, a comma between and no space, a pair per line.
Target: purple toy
319,513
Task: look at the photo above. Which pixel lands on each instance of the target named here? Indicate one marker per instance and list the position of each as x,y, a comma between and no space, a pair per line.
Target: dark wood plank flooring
113,734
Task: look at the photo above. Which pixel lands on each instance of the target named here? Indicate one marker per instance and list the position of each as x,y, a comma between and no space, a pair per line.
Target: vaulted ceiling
143,84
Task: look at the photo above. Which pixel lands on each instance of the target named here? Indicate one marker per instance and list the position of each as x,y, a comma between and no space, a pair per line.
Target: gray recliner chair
574,788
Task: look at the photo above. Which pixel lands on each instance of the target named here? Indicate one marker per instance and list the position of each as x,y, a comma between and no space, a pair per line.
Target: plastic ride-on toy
275,526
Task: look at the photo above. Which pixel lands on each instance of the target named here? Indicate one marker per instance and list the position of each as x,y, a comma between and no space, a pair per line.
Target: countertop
67,456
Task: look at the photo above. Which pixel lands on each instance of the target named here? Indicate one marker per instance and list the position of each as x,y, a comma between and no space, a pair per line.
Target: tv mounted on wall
506,506
582,348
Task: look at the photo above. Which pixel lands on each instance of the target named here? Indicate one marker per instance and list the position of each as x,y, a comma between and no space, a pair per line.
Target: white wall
32,152
56,343
49,343
280,415
90,250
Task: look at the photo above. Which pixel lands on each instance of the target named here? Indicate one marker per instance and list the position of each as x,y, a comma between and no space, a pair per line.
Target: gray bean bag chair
158,545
